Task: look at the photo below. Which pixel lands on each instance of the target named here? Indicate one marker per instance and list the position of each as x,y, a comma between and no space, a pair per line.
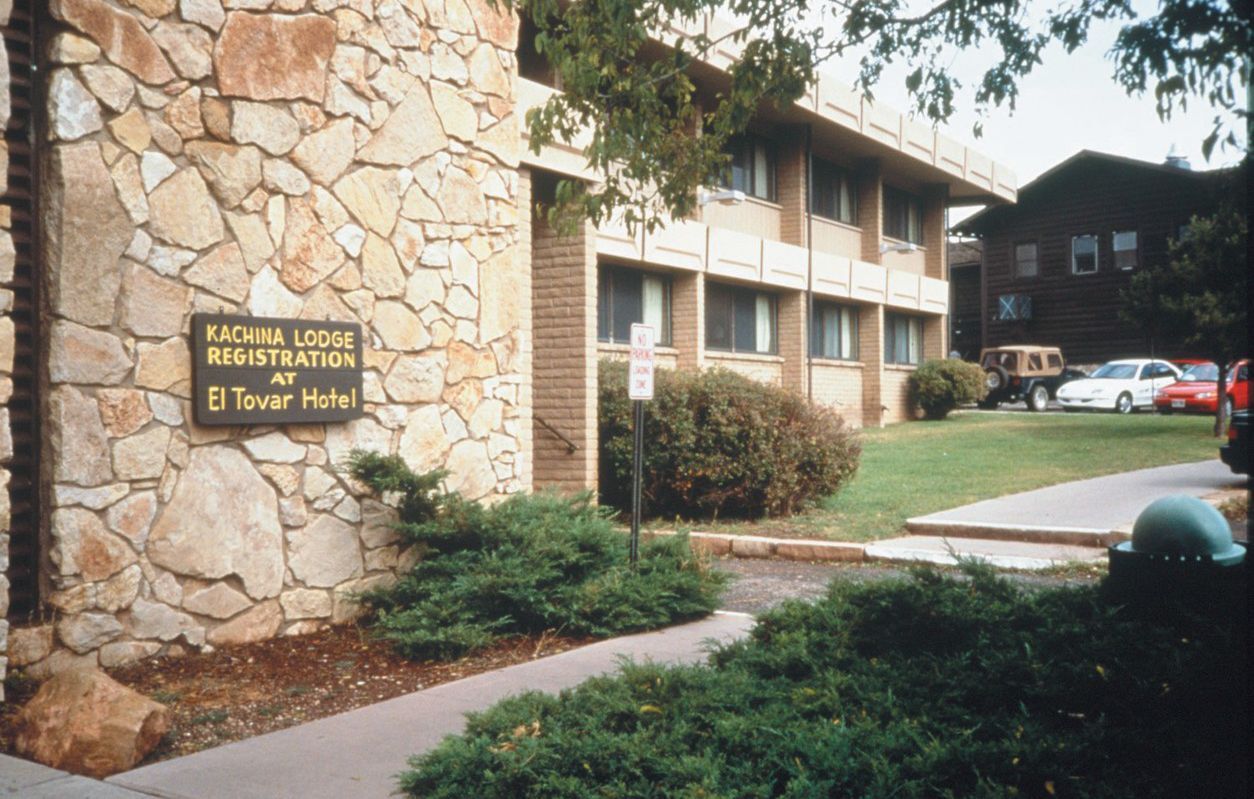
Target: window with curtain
1083,254
752,168
903,339
835,194
834,332
903,216
1123,242
739,319
629,296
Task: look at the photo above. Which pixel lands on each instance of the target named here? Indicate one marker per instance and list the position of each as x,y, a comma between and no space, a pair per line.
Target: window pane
626,304
846,213
764,334
653,297
1124,245
761,181
848,334
603,304
746,327
1084,254
718,317
916,340
1025,260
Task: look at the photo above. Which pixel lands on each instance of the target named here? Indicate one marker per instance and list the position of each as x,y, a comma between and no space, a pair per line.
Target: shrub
928,687
526,565
718,443
940,385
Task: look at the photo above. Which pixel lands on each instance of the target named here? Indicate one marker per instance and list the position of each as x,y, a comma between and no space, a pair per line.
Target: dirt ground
239,692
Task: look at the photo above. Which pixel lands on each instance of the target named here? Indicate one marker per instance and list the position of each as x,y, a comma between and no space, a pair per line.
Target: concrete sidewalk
1051,526
1098,505
357,754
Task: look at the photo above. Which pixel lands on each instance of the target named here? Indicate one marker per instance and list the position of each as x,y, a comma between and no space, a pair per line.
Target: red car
1197,392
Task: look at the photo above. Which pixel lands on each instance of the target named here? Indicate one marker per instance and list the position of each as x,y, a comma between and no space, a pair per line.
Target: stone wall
342,159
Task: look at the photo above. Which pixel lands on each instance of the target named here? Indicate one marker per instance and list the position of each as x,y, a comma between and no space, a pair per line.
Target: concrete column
564,360
790,183
871,209
871,352
792,339
688,318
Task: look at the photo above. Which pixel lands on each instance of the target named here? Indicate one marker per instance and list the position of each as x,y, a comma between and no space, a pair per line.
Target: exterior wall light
722,197
905,246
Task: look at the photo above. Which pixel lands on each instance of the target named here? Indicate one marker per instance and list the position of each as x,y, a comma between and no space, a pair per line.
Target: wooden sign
262,370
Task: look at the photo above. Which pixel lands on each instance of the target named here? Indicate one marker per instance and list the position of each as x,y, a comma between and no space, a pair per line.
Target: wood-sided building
1054,263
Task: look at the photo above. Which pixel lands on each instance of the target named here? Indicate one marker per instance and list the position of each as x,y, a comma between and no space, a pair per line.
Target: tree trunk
1221,400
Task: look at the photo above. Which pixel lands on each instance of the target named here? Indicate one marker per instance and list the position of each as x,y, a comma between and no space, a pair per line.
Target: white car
1121,386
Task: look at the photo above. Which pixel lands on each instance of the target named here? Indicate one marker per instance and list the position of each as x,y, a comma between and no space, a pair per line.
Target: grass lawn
915,468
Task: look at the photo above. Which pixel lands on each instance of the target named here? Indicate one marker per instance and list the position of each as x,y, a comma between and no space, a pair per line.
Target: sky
1071,103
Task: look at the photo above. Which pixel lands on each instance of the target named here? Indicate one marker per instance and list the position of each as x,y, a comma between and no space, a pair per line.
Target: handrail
571,446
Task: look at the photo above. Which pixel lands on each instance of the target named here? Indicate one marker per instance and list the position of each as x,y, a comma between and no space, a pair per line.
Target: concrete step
1025,533
1001,554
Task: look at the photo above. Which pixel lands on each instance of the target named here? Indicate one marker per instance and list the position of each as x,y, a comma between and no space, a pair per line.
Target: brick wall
870,209
790,183
871,351
839,386
763,368
564,365
688,319
792,340
935,237
894,394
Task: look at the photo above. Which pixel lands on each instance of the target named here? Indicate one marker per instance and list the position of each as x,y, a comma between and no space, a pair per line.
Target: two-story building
864,248
1055,262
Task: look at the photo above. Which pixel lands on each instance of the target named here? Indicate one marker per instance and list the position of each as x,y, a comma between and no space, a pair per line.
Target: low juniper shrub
939,386
529,564
721,444
932,686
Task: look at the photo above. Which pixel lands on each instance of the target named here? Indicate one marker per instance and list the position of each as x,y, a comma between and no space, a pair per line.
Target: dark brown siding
964,310
1080,313
22,197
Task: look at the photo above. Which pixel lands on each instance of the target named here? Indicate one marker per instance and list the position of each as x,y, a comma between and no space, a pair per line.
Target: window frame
605,274
732,291
1096,253
910,202
751,141
1016,272
890,336
817,331
827,174
1135,250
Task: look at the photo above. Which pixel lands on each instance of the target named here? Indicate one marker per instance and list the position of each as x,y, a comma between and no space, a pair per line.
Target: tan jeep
1024,372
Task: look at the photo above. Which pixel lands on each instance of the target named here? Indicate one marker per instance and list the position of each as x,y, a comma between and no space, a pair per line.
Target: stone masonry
342,159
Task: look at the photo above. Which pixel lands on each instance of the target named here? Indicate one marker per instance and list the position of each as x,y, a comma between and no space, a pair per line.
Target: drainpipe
809,336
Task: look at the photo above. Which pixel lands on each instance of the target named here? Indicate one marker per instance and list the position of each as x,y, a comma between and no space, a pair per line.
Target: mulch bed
238,692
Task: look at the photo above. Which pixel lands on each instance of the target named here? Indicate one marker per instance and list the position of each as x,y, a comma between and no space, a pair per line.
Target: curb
1027,534
753,546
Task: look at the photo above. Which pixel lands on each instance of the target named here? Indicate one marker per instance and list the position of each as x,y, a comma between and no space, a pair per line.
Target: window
1034,362
835,195
1083,255
628,296
1055,361
739,320
1025,260
1123,242
752,168
1163,370
902,216
903,339
834,333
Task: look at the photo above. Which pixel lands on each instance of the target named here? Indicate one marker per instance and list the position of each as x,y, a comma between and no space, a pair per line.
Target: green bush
526,565
940,385
930,687
720,444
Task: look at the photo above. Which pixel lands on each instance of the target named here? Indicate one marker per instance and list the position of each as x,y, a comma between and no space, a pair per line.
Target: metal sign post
639,390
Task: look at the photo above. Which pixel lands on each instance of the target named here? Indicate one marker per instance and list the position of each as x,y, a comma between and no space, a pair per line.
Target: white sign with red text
640,371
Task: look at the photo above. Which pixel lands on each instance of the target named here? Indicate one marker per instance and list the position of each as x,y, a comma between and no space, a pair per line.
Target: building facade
361,161
1055,262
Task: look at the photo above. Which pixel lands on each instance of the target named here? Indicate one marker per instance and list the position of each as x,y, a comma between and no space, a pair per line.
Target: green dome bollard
1179,544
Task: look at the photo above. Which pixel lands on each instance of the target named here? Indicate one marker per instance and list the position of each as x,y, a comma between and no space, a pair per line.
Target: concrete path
22,778
1100,505
357,754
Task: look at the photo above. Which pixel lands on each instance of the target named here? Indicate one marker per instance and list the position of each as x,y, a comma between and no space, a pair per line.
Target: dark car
1236,453
1024,372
